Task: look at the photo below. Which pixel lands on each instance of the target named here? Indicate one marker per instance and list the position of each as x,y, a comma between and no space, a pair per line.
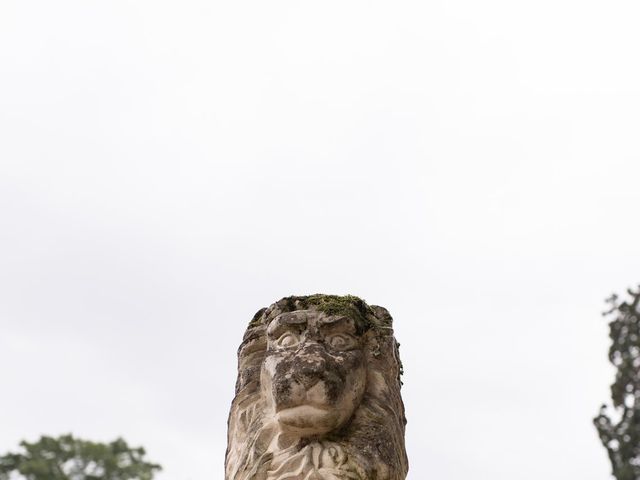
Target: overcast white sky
168,168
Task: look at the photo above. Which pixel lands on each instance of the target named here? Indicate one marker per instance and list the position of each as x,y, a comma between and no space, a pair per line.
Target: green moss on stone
345,305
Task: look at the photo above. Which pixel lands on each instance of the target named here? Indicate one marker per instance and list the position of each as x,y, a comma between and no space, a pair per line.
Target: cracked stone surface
318,394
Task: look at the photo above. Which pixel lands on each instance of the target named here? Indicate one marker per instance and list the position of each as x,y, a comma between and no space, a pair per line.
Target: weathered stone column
318,394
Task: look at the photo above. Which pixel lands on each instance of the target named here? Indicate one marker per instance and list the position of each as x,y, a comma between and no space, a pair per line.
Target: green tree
69,458
619,425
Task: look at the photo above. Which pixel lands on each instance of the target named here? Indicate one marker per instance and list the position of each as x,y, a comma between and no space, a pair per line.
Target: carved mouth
307,419
313,396
304,410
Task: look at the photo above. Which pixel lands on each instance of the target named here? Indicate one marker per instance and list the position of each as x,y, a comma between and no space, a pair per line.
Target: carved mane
369,447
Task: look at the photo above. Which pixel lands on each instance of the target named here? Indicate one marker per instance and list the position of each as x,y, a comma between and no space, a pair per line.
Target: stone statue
318,394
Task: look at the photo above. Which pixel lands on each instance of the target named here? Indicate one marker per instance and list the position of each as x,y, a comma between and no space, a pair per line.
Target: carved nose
312,365
308,381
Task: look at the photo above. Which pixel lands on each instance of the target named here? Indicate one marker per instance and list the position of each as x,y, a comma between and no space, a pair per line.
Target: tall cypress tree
619,425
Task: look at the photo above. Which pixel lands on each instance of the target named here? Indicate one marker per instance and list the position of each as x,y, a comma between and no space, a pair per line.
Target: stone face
318,394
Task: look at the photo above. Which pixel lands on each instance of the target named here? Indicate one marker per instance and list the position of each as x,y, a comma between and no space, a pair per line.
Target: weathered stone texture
318,394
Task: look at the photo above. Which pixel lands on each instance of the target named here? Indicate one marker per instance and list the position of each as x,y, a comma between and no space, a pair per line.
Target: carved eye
341,341
287,340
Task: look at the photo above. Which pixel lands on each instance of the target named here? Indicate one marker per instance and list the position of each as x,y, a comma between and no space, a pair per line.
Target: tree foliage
619,425
69,458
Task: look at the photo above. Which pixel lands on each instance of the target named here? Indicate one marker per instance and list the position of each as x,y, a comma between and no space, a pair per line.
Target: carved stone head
318,394
314,374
